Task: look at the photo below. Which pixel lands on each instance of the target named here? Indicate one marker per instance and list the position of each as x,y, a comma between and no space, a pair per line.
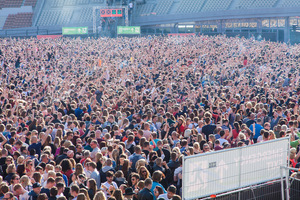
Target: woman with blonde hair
100,196
144,173
11,170
196,147
25,182
20,160
177,150
139,163
272,135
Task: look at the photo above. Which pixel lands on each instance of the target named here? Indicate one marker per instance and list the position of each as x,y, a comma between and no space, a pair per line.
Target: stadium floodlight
95,8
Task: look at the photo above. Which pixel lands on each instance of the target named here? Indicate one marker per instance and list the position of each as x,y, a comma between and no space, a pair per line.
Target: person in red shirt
236,130
180,128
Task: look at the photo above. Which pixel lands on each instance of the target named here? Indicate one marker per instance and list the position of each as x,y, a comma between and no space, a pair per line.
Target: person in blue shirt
258,127
157,177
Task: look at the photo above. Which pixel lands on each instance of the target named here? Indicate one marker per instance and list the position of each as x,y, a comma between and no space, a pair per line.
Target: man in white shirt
94,145
171,191
109,186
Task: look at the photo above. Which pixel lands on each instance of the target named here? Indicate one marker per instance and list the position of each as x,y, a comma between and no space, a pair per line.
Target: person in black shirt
145,194
208,128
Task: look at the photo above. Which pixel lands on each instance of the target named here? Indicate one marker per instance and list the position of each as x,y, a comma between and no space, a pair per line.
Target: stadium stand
96,1
162,7
19,20
190,6
11,3
70,2
2,21
144,9
49,17
65,17
290,3
245,4
30,3
86,14
216,5
58,3
83,2
263,3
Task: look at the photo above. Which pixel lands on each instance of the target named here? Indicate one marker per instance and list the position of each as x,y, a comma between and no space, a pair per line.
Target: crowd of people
104,118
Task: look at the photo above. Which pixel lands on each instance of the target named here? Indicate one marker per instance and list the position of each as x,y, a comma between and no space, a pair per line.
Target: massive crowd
112,118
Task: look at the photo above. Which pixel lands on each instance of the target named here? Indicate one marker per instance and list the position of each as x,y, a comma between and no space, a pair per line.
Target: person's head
99,196
92,166
206,147
94,144
148,183
8,196
91,184
157,176
81,196
74,190
50,182
15,179
118,194
11,168
25,181
42,196
61,198
66,165
171,191
143,172
267,126
60,187
135,178
85,192
37,177
137,149
18,189
176,197
37,187
109,176
53,191
158,191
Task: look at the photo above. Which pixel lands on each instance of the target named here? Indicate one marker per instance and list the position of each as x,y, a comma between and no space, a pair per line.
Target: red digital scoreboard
111,13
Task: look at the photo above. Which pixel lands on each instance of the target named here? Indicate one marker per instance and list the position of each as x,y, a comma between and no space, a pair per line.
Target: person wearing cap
34,193
129,193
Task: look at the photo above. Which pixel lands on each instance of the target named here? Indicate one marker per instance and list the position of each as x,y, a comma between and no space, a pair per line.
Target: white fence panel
222,171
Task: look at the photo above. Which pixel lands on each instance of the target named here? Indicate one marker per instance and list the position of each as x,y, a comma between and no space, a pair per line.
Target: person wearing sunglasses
15,179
